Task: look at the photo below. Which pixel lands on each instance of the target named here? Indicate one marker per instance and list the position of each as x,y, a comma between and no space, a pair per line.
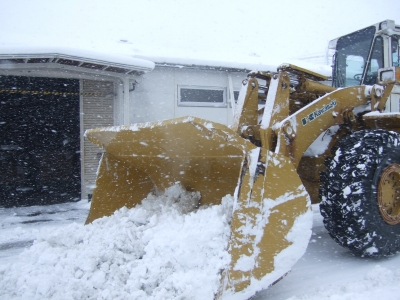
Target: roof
94,61
227,33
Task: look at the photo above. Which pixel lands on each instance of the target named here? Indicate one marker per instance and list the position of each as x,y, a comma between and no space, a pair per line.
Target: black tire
349,193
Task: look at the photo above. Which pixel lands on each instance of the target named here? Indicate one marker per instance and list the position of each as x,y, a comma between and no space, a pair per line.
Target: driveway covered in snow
46,253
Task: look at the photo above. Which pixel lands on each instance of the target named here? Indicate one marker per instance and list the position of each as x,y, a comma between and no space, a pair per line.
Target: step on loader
294,141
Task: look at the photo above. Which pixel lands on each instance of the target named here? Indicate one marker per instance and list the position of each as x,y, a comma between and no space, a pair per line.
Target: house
49,97
176,90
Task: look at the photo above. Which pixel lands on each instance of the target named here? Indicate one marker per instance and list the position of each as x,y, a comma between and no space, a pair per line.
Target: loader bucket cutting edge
271,222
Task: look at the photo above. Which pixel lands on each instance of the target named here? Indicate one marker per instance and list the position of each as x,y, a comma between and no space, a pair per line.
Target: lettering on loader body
315,114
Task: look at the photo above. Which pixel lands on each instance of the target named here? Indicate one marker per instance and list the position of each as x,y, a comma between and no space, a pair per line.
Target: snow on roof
77,54
121,54
249,64
179,32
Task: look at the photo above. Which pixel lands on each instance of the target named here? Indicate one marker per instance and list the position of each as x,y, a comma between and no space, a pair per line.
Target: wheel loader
294,141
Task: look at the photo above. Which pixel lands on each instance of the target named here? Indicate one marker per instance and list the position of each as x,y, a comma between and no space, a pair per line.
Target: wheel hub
389,194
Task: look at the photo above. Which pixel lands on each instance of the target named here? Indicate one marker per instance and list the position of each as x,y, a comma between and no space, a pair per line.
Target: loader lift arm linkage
291,134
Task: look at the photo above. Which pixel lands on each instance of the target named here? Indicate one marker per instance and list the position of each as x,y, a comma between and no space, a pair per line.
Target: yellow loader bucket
271,222
201,155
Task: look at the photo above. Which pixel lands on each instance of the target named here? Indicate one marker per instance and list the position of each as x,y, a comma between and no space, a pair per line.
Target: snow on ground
163,250
329,272
20,226
159,250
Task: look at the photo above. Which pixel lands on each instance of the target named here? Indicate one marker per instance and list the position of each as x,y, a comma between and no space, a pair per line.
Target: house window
202,96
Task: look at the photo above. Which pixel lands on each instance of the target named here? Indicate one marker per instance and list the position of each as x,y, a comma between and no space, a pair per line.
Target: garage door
39,141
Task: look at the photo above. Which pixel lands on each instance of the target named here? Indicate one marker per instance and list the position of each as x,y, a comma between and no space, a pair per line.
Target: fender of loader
271,222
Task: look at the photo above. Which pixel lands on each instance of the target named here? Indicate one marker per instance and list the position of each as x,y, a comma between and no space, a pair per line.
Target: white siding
97,111
156,96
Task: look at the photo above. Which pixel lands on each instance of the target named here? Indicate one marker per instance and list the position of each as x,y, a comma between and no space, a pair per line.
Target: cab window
375,63
351,57
395,51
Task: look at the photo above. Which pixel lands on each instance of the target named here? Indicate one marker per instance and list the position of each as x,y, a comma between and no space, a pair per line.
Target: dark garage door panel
39,140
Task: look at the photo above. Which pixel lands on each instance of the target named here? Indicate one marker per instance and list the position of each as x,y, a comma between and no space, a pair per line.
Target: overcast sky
208,29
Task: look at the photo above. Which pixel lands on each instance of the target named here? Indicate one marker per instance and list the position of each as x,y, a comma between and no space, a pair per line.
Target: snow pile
378,283
162,249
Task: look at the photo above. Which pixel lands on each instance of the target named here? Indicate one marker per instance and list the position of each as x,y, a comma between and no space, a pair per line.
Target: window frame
222,104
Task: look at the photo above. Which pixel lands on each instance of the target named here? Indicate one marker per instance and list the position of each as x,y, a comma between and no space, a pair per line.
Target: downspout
231,97
126,102
123,100
118,104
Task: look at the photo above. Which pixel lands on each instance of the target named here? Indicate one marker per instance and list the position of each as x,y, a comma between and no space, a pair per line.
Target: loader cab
358,55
